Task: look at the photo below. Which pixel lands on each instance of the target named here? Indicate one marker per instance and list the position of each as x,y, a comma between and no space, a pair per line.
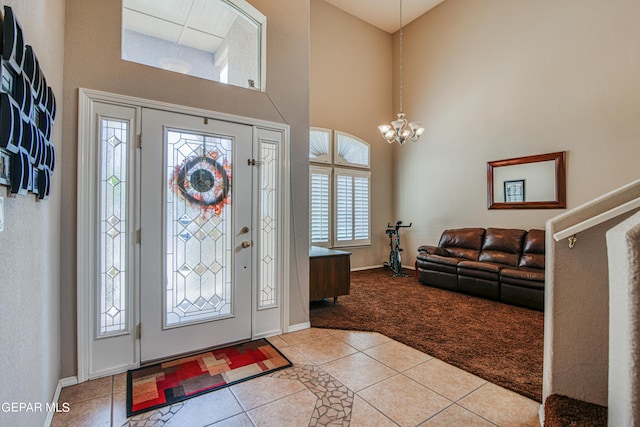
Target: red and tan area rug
169,382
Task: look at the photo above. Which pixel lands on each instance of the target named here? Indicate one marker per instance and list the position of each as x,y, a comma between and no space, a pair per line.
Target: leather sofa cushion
462,242
484,266
502,246
522,273
533,250
428,249
446,260
434,266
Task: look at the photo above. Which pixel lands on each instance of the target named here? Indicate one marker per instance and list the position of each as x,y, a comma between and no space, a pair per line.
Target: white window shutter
319,205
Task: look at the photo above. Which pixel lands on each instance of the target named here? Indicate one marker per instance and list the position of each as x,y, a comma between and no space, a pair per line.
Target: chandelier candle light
400,130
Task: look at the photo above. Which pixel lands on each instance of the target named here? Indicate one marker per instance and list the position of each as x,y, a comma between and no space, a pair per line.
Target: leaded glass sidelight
113,283
198,228
268,223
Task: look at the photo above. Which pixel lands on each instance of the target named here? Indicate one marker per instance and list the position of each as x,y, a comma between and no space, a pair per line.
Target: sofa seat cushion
484,266
445,260
485,274
439,263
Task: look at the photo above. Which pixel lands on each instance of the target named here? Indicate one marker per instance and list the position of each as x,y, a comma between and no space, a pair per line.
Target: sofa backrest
463,242
533,249
502,246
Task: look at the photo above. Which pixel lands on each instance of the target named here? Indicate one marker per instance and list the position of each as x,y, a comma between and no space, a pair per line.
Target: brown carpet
498,342
562,411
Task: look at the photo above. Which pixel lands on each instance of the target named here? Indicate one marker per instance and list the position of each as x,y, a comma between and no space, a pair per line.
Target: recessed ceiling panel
210,16
171,10
147,25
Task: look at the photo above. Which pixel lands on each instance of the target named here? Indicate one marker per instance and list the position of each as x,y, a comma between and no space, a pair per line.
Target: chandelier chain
401,56
401,130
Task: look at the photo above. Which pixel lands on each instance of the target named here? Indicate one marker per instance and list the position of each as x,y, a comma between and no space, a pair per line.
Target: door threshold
191,353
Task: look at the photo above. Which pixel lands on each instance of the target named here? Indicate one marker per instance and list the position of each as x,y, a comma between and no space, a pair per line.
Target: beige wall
351,89
29,247
578,306
494,80
93,61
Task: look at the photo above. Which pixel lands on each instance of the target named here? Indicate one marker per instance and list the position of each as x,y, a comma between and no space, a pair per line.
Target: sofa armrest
433,250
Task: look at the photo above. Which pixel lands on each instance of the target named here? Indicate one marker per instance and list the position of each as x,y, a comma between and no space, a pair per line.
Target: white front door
196,234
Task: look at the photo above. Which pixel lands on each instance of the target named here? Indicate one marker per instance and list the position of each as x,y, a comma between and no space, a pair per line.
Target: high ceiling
385,14
203,24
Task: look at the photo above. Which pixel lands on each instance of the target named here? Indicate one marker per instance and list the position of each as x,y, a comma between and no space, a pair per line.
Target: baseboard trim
62,383
299,327
371,267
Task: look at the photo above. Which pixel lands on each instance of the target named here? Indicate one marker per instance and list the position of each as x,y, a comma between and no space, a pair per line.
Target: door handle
244,230
245,244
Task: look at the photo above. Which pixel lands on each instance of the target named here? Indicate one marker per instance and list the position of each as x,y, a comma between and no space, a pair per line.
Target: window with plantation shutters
319,207
339,205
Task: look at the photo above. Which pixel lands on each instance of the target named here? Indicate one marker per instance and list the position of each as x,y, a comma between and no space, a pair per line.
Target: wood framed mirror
530,182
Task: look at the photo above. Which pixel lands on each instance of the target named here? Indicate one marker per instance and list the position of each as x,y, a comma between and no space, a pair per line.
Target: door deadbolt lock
245,244
244,230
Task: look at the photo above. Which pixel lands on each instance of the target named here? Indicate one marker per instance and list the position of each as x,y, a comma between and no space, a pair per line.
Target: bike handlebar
398,224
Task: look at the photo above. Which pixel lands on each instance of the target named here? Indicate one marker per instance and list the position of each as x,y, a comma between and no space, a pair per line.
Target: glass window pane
113,264
320,145
268,248
198,228
351,150
210,39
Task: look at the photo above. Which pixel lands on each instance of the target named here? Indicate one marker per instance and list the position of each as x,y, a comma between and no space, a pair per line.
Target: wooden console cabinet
329,273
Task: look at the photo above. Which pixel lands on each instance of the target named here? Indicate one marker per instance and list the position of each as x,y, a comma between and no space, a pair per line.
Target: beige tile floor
339,378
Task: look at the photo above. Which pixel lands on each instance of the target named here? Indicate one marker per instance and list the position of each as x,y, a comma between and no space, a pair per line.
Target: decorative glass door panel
198,228
196,254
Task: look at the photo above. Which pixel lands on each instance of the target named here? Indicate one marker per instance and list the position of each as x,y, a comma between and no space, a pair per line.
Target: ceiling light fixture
400,130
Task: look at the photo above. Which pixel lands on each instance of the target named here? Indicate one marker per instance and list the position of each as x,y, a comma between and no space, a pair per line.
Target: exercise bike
395,258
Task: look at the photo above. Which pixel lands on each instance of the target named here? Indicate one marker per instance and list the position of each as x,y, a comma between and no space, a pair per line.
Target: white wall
30,248
496,79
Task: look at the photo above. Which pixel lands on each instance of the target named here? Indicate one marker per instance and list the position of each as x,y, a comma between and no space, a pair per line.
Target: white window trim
247,9
353,242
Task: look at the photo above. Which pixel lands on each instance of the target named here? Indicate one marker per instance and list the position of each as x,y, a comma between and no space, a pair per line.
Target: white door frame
86,214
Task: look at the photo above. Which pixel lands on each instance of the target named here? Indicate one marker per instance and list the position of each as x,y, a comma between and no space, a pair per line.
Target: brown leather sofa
496,263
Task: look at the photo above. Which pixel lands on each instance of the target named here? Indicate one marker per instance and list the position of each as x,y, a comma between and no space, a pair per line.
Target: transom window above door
219,40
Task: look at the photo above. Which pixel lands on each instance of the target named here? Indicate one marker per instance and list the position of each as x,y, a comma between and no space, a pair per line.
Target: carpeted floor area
562,411
498,342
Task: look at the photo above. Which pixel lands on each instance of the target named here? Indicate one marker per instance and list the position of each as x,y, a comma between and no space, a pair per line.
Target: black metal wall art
27,113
